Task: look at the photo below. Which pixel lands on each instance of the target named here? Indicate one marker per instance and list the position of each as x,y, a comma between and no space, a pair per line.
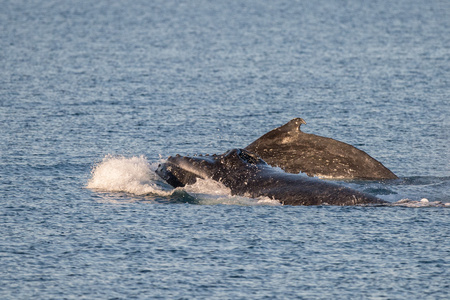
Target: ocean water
94,94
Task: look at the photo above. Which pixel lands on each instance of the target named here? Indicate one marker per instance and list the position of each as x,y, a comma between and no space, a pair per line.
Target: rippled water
93,95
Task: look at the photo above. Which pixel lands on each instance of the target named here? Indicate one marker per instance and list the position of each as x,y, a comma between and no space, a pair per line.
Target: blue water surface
142,80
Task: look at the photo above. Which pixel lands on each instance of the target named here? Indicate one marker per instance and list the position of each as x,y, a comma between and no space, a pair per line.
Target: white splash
424,202
211,192
131,175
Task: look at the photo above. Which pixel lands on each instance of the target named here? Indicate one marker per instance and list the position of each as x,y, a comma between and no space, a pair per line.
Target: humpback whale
246,174
294,151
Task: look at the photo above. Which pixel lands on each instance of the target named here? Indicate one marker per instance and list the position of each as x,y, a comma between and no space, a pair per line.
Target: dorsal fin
293,125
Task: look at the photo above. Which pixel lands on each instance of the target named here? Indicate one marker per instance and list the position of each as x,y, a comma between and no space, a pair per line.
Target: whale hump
290,128
294,151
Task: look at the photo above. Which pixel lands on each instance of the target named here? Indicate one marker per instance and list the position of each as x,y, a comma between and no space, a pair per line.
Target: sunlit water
94,95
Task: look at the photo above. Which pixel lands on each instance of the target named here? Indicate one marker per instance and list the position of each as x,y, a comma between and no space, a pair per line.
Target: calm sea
94,94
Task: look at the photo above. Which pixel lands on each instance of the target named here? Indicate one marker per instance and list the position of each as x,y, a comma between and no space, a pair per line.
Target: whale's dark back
294,151
246,174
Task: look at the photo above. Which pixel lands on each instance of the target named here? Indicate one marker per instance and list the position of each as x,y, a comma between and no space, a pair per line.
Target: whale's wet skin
248,175
294,151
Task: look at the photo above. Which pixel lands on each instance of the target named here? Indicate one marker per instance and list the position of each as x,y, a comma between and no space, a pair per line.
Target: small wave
131,175
422,203
423,180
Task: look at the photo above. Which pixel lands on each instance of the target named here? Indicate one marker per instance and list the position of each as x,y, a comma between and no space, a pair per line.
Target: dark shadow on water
177,197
